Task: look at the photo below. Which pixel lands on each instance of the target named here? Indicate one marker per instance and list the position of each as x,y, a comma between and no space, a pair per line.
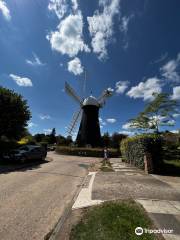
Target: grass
112,221
175,163
106,166
171,159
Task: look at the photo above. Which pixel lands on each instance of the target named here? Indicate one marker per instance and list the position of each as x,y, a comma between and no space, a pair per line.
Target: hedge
133,150
86,152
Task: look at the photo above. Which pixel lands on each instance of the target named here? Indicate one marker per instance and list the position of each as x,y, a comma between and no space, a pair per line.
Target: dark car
28,152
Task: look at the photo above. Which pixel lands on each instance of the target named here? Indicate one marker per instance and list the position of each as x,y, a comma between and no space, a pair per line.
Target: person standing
105,154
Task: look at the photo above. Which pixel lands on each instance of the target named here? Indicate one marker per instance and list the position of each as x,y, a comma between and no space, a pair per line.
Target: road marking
84,198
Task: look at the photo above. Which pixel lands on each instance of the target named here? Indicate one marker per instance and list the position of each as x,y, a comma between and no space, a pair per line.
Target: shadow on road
6,168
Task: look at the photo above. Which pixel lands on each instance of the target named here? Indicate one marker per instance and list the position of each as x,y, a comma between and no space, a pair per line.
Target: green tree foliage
14,114
112,141
157,113
116,139
52,136
106,139
64,141
39,137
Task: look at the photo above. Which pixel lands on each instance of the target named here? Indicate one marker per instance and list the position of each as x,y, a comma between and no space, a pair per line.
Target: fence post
148,164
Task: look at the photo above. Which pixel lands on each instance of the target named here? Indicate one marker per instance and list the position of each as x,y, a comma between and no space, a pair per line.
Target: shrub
134,149
87,152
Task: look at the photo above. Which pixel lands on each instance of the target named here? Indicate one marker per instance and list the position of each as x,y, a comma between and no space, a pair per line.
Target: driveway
33,199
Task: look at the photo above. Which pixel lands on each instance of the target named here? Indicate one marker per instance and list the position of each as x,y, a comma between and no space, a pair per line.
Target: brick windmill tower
88,114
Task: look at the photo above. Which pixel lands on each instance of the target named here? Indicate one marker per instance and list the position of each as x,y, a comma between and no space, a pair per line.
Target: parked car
28,152
51,148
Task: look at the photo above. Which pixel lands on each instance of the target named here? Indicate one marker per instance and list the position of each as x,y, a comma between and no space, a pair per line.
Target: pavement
34,198
159,195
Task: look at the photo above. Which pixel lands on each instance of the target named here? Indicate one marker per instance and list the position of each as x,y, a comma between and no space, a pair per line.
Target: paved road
32,200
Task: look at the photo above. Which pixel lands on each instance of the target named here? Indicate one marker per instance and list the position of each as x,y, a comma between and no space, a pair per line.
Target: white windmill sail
105,94
70,91
76,117
74,122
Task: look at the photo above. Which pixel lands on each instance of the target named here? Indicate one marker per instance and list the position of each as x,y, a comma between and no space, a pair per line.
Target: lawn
171,159
112,221
175,163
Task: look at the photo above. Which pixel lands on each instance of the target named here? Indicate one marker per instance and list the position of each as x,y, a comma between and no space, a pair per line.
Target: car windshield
14,151
23,148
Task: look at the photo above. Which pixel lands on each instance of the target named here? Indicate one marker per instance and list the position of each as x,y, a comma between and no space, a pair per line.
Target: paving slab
119,185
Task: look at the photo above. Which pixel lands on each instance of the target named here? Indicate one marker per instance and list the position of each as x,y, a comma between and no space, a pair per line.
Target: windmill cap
91,101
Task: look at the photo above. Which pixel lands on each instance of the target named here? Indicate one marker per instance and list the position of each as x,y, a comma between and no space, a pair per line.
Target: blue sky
130,46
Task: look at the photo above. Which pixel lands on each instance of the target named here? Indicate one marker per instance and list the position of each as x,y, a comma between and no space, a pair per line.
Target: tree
106,139
64,141
52,136
14,114
39,137
157,113
116,139
141,122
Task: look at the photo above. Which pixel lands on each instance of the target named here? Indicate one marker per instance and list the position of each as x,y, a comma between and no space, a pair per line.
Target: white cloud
127,126
171,122
171,70
31,125
175,131
44,117
74,5
111,120
110,89
59,7
101,26
21,81
126,132
35,61
68,39
160,59
124,23
74,66
145,89
121,86
103,123
5,11
176,93
47,131
176,115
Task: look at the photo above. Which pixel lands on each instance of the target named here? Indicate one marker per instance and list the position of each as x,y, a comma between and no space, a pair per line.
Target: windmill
88,114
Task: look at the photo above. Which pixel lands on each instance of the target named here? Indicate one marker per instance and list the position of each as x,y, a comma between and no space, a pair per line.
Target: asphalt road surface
33,199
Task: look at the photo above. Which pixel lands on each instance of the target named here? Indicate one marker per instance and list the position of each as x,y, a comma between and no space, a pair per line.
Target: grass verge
106,166
175,163
112,221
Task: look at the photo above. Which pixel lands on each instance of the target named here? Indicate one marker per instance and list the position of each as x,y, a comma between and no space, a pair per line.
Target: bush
87,152
134,149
